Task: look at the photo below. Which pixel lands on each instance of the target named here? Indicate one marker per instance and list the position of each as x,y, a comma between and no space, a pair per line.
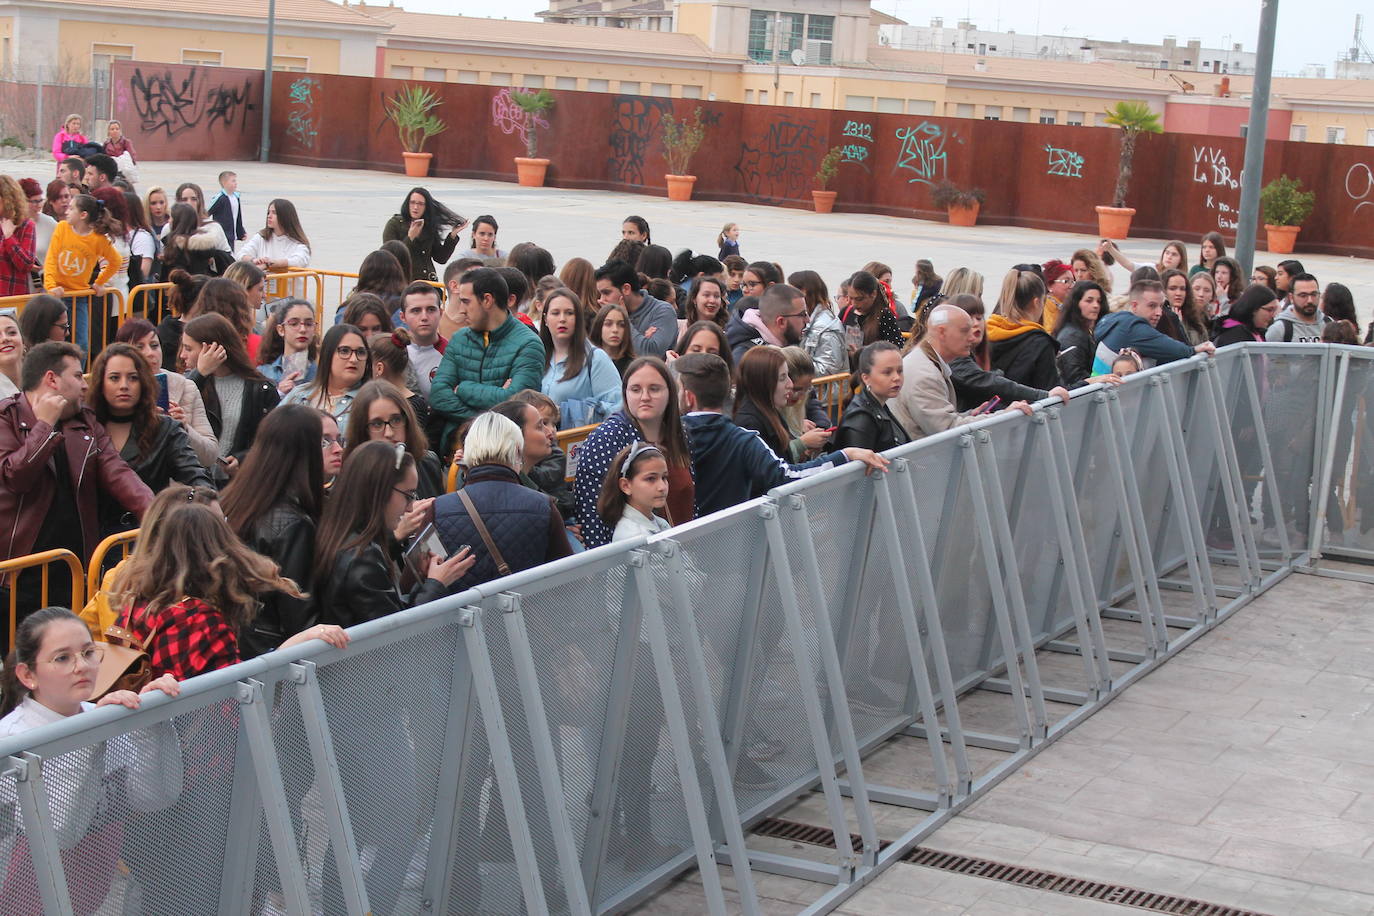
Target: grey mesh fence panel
653,747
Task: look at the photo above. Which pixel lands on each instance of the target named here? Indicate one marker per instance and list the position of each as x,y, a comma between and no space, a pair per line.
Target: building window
565,82
401,73
1048,117
1102,119
468,76
858,102
815,100
789,98
629,88
920,107
1335,135
691,92
290,64
1297,132
774,35
890,106
102,55
436,74
532,81
748,96
1368,136
498,79
992,112
1074,119
202,58
662,90
598,85
763,96
1187,63
963,111
1020,114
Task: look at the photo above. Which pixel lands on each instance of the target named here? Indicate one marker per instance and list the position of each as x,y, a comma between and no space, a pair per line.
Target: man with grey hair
927,403
509,526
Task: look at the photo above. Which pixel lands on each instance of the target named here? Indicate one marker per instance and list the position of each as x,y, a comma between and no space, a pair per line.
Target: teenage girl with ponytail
79,245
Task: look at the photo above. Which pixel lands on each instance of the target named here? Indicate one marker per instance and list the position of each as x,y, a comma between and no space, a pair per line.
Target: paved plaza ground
343,211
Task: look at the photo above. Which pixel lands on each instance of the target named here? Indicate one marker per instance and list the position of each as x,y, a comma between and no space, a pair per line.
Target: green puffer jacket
479,364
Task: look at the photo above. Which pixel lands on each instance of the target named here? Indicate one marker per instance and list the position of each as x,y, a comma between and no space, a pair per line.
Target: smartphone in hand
987,406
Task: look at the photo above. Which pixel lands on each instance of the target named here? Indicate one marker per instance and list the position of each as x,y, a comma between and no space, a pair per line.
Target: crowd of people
288,470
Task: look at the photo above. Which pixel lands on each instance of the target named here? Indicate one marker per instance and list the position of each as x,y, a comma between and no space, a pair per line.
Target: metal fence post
806,677
42,838
256,730
503,760
678,735
337,823
1232,486
1190,521
1270,475
453,776
1328,460
574,888
1135,516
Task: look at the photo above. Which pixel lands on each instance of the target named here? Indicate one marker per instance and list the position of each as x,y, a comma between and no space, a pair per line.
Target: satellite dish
798,57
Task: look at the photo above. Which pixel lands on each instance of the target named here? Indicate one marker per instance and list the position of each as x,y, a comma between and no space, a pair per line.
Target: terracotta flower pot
1114,222
964,216
1281,238
680,186
824,200
417,164
530,172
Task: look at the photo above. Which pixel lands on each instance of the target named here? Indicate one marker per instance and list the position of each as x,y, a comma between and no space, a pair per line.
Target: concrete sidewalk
343,211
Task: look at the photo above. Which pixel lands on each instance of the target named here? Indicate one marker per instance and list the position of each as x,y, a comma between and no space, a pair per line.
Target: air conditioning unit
814,49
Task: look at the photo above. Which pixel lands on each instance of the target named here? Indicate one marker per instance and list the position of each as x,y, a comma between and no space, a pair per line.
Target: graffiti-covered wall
180,111
1034,175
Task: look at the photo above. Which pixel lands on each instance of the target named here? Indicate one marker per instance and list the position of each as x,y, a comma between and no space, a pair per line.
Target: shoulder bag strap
481,527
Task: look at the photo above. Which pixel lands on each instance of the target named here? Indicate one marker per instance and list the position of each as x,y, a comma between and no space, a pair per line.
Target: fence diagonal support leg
1328,461
1190,521
41,836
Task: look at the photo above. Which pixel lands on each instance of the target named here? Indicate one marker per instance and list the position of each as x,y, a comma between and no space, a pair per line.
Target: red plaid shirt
17,260
189,638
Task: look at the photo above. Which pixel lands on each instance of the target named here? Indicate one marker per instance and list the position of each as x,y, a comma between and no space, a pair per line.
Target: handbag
125,665
501,566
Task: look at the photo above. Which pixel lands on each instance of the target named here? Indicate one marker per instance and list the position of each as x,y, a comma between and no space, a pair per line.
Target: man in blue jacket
732,464
1134,328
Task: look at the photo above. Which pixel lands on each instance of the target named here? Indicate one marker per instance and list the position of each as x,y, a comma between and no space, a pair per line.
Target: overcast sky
1310,31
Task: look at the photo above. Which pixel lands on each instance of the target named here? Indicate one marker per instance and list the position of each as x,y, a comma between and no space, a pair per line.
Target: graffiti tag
300,120
1361,178
859,130
922,152
1064,162
511,118
781,166
633,120
1211,168
166,103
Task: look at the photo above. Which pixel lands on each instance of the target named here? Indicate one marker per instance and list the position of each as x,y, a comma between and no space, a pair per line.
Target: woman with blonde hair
1019,345
1087,265
962,280
18,239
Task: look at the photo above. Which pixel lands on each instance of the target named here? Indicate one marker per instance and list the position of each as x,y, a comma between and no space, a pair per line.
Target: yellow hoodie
1002,328
72,257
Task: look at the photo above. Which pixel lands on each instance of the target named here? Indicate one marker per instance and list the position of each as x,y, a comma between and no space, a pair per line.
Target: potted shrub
528,168
1134,119
681,140
1286,206
962,204
411,110
830,164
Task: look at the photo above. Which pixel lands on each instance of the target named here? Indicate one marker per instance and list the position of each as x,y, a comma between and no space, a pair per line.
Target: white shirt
633,523
277,248
425,361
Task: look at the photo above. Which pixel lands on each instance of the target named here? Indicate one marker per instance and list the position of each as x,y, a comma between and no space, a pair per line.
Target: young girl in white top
635,491
48,677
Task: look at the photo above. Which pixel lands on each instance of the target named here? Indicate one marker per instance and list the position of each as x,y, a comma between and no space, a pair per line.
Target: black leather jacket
364,587
868,424
975,385
286,535
169,460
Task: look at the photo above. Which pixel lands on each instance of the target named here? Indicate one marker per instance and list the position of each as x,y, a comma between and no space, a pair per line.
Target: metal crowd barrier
11,570
569,738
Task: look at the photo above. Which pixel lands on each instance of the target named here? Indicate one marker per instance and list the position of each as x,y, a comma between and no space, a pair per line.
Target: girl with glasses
290,346
382,413
344,363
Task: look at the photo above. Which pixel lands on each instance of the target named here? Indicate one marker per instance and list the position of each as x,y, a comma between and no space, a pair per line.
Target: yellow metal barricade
570,441
345,280
453,470
11,569
151,301
834,392
123,542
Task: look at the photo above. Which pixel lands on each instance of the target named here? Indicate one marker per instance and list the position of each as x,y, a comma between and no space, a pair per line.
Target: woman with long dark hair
706,337
1213,246
368,313
870,312
44,318
1018,344
344,365
762,383
868,422
1230,281
290,345
705,302
124,397
236,396
1338,304
281,244
651,413
578,376
484,229
1250,316
823,339
194,246
1087,303
273,505
428,228
610,331
1191,314
223,296
380,274
382,413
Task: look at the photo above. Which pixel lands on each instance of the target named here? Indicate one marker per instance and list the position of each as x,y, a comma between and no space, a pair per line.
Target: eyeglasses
300,322
801,314
640,447
36,200
750,284
328,442
69,661
397,423
410,495
351,352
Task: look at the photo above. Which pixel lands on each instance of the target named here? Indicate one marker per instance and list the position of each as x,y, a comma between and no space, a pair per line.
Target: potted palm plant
823,199
411,110
529,169
1286,206
961,204
681,140
1134,119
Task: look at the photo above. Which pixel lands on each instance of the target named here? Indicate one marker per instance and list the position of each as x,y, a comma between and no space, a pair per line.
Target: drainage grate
1019,875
